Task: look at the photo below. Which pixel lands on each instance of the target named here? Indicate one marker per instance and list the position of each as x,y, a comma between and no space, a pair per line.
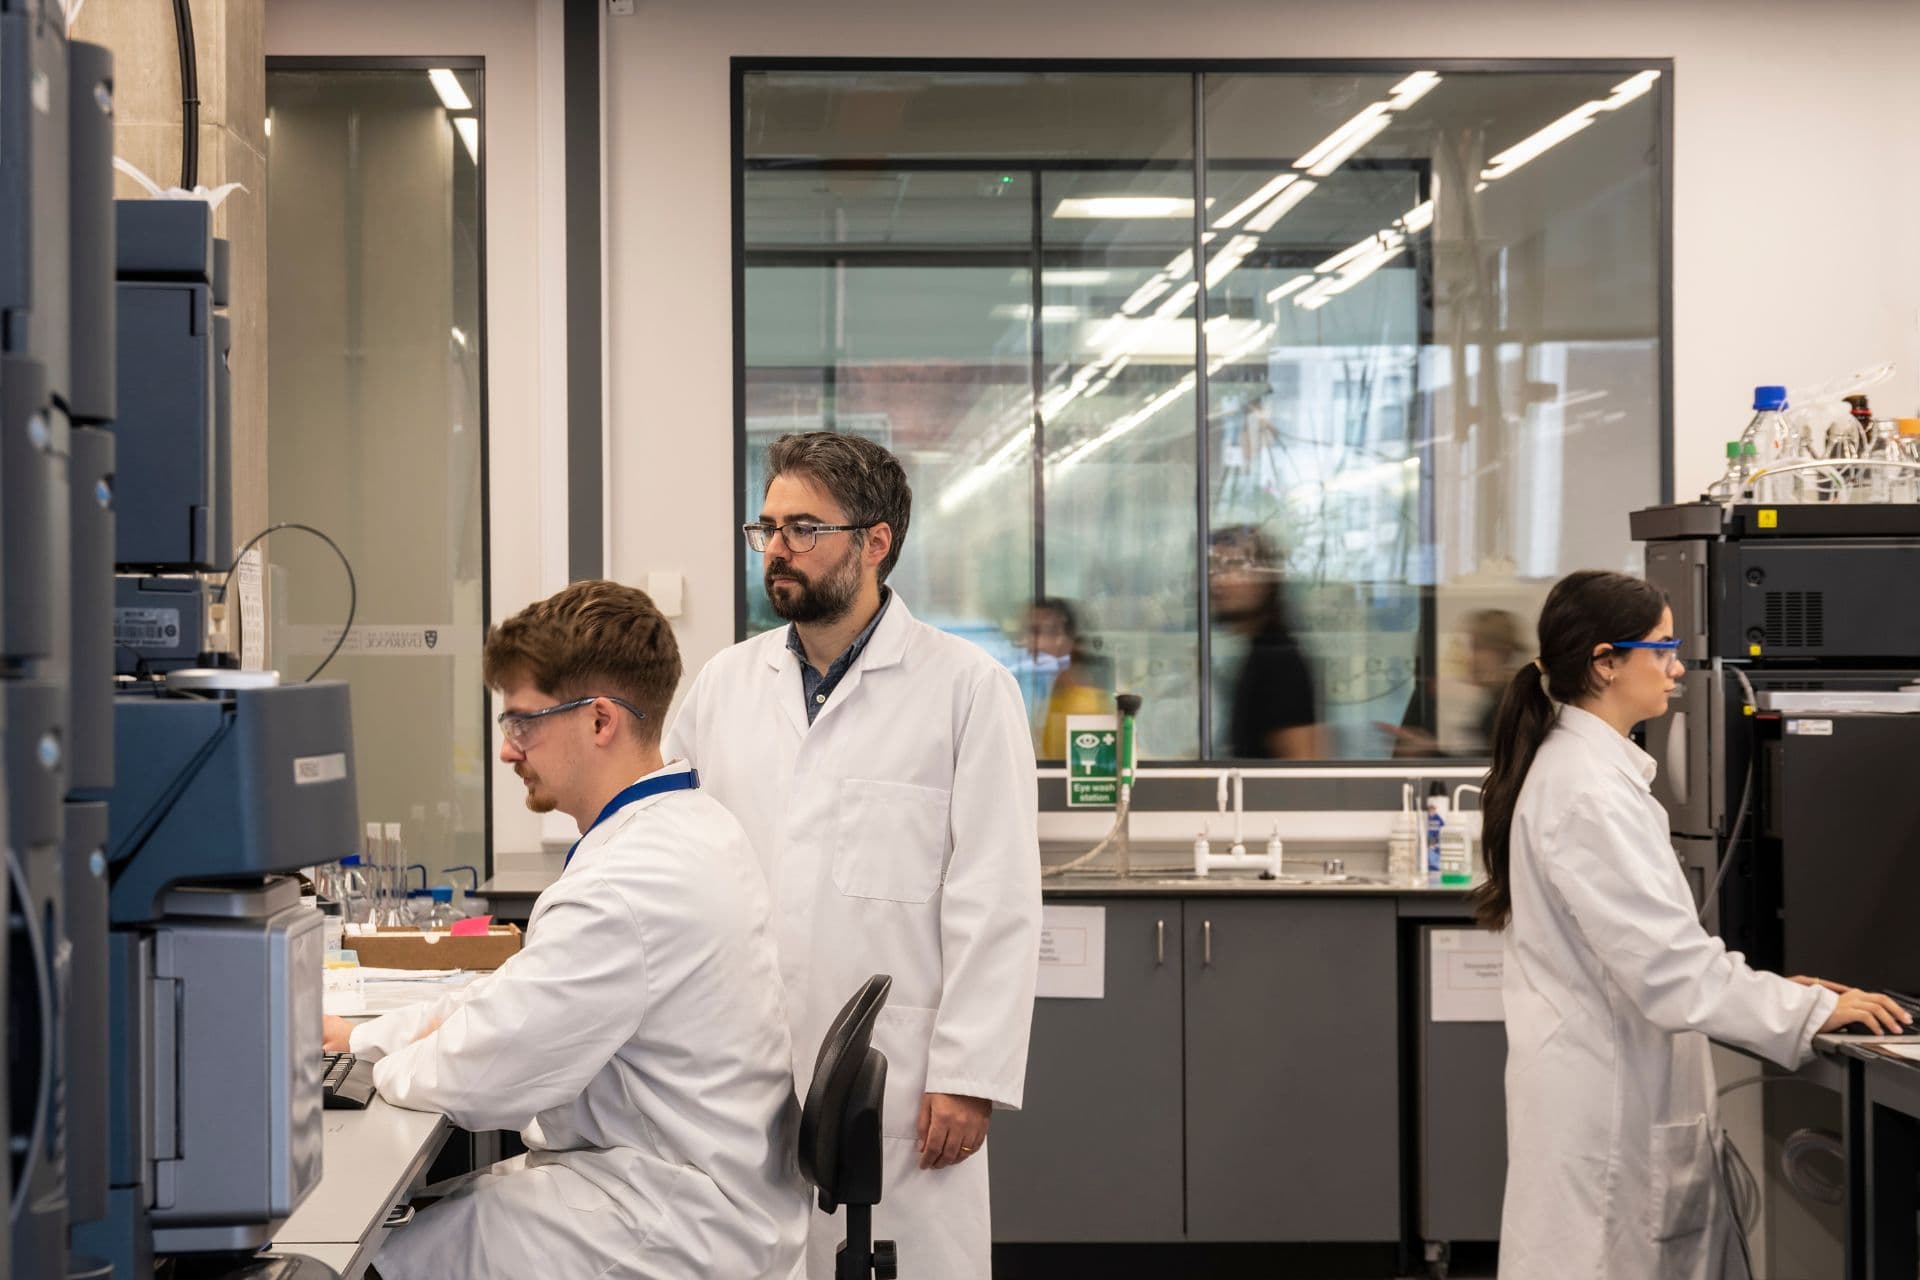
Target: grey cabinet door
1095,1153
1293,1101
1462,1119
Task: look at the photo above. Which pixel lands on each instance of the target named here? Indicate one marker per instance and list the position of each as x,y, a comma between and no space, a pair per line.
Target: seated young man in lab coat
638,1041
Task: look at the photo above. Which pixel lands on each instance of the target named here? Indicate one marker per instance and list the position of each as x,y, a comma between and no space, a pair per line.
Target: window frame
1198,69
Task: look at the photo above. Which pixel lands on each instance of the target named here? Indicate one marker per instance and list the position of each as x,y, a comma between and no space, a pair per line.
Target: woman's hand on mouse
1878,1013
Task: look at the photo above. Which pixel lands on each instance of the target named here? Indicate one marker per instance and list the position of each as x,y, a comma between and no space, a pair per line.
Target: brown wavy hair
592,637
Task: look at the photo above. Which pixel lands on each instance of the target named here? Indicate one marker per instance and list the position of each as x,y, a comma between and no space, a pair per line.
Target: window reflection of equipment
163,980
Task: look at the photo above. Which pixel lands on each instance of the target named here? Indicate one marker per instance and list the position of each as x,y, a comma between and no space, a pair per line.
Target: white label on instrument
1811,728
1465,976
144,628
1073,953
308,770
249,590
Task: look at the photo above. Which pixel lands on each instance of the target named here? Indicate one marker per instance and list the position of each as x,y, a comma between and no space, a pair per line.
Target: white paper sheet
1073,953
1465,976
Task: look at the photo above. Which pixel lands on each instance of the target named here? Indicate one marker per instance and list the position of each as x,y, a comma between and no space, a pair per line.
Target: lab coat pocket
1680,1191
904,1034
893,840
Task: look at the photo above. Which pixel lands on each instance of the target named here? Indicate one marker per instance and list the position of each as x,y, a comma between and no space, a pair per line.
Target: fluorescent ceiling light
1372,244
459,335
1050,312
1070,276
269,124
1412,89
1318,296
1125,207
469,130
1418,218
1146,293
1229,258
1178,301
1333,150
447,85
1566,126
1292,286
1267,192
1281,206
1536,144
1627,90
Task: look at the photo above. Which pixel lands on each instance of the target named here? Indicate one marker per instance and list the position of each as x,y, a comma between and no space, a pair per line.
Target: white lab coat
899,835
1612,990
638,1045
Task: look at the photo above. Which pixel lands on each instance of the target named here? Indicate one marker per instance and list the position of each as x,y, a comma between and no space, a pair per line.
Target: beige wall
228,36
1795,253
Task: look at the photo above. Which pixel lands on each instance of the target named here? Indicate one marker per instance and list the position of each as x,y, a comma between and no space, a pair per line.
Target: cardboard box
412,949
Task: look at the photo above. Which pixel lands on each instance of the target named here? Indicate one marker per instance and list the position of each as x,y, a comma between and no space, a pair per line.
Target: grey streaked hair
863,477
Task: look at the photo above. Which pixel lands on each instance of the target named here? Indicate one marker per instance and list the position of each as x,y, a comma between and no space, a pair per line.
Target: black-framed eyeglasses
515,725
801,535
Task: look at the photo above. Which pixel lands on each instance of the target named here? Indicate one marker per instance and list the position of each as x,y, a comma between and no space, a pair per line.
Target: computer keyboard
346,1082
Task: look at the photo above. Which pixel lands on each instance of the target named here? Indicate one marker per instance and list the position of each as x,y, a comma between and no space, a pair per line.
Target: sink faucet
1233,782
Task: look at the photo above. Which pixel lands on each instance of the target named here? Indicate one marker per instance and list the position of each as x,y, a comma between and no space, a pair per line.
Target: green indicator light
1006,178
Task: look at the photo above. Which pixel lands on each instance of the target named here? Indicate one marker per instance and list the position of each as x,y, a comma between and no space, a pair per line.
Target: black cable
189,96
353,587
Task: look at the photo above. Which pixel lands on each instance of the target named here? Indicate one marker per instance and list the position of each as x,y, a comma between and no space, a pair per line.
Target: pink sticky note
471,926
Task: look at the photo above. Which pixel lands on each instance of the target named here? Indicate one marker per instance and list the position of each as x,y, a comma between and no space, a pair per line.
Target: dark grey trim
586,430
1203,417
1663,97
736,137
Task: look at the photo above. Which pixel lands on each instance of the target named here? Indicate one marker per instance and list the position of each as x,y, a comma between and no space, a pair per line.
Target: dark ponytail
1584,609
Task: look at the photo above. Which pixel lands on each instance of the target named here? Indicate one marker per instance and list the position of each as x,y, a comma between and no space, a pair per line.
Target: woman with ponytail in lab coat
1612,988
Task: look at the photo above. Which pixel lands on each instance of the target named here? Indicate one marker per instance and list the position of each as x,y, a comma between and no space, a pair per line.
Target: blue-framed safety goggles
1664,646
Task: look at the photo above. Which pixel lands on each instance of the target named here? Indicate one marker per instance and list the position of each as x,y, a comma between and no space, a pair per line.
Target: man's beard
537,801
826,600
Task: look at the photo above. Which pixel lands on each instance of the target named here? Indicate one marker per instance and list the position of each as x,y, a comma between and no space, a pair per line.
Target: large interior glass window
377,431
1306,499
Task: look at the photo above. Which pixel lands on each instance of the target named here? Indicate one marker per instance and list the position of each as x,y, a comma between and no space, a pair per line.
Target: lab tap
1233,784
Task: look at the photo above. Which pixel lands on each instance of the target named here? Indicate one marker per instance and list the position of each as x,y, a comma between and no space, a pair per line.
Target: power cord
353,587
1746,800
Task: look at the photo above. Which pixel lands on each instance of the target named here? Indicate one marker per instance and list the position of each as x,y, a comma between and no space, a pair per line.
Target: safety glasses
1662,646
517,726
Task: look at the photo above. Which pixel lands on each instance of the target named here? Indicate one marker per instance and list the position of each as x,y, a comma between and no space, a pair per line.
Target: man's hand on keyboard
336,1034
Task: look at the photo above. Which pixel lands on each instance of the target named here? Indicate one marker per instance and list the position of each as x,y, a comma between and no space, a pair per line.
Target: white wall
526,332
1796,251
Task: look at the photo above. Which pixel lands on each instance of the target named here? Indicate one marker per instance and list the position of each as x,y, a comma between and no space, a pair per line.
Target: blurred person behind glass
1493,648
1274,713
1082,681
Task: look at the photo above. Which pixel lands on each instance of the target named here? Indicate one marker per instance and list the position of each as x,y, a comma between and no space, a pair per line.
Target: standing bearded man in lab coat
884,772
638,1040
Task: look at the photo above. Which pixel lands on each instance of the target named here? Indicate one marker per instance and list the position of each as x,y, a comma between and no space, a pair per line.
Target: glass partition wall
376,388
1291,440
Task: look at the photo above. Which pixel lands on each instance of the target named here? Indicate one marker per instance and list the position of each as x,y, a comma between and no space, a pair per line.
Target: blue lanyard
687,780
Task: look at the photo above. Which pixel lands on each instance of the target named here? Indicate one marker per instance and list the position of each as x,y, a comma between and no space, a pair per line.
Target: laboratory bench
1880,1135
1263,1063
371,1161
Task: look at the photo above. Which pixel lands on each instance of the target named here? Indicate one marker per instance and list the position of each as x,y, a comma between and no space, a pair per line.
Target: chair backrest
840,1122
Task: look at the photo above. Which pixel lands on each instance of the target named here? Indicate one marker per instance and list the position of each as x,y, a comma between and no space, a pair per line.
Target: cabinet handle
1159,941
1206,942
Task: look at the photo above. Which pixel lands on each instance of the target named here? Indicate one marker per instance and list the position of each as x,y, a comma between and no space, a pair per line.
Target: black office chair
840,1131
